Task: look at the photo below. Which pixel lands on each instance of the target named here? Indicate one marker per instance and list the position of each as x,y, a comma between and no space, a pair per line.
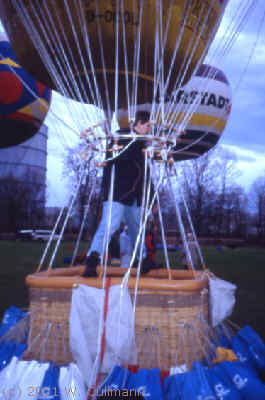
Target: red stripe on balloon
11,88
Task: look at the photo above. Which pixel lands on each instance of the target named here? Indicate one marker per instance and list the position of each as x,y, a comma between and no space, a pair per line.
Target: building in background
23,171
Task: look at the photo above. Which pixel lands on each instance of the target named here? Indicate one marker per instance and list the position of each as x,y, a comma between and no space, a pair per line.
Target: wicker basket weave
49,327
159,313
168,313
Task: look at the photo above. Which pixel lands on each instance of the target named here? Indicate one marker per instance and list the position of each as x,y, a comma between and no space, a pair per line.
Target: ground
243,266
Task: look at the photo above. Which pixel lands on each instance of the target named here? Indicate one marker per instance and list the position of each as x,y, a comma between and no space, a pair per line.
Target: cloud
244,67
250,163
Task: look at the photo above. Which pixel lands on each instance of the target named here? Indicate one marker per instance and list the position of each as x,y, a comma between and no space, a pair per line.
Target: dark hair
143,116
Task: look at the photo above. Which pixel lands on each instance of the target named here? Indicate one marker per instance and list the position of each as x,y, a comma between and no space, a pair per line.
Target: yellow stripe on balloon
44,106
203,120
196,119
26,110
8,61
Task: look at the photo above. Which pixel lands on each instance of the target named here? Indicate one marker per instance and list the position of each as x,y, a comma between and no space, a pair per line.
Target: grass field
243,266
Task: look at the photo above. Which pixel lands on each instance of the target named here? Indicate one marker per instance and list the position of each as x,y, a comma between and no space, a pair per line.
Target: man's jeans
119,212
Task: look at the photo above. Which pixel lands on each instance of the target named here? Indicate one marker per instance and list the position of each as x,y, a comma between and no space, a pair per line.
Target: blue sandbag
249,348
251,337
256,346
9,350
117,380
173,386
10,318
244,379
146,382
196,385
50,385
241,350
221,384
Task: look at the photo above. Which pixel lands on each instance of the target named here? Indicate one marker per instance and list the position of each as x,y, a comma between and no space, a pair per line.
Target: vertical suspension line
233,31
127,275
163,236
76,92
59,47
133,257
42,50
126,61
153,113
183,20
188,114
107,231
89,54
79,88
82,226
160,44
181,75
190,109
80,56
137,59
125,279
191,226
162,53
178,41
109,113
55,47
180,222
67,217
145,213
157,56
185,65
96,363
50,239
117,24
192,47
161,173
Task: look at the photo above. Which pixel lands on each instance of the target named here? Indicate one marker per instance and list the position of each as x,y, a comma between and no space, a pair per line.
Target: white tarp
86,328
71,383
222,299
22,379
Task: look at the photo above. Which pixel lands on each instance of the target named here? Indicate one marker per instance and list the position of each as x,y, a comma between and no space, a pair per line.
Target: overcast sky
245,70
244,66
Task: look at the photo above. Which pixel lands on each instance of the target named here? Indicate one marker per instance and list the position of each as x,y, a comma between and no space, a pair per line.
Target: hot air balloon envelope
24,102
87,47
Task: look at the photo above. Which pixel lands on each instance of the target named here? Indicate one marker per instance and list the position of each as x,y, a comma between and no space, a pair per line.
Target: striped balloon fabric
210,93
24,101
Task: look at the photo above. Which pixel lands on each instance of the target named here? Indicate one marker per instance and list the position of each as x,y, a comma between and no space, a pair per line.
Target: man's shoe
148,265
92,261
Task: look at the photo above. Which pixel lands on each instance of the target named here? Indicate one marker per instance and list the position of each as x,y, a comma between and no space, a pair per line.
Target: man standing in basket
127,195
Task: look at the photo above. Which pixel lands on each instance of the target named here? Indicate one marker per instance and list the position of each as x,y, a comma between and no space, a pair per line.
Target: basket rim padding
63,278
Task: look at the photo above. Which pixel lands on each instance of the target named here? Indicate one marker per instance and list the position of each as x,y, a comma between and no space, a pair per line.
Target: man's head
142,122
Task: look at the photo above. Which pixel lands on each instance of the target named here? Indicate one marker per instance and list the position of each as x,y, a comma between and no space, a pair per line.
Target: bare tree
257,195
235,212
227,174
22,202
90,188
207,182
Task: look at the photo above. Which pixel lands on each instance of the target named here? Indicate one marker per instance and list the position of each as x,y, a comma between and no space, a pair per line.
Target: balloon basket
164,309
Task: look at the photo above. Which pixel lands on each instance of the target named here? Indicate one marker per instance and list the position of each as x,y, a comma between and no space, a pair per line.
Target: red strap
103,339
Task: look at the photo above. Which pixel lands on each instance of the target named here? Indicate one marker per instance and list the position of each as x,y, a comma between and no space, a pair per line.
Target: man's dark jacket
129,174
